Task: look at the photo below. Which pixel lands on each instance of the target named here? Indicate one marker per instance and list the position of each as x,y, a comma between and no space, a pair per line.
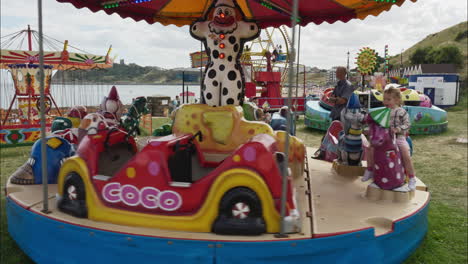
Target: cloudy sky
322,45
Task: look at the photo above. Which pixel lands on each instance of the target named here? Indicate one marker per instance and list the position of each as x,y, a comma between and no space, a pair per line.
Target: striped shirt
400,119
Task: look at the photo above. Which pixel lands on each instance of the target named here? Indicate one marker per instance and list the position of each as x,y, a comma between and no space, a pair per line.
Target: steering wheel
190,143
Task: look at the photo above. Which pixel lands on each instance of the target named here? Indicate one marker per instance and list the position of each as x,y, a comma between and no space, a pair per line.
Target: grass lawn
440,162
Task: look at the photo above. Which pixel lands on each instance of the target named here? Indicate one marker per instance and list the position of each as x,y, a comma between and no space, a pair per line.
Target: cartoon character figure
112,107
329,147
92,124
224,30
378,81
131,120
389,173
57,150
77,113
350,143
63,127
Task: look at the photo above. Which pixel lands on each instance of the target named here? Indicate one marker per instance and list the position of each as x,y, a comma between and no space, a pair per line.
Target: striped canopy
60,60
267,13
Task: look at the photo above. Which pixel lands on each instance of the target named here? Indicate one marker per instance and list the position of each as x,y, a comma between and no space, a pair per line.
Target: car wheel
240,213
73,201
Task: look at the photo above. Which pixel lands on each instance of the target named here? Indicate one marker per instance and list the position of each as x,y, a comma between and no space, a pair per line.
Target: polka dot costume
224,37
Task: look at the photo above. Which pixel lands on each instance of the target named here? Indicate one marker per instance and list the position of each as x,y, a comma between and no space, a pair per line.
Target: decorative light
222,36
221,56
118,3
366,60
221,45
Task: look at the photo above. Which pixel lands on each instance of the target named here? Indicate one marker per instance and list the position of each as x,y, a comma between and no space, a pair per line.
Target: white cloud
322,45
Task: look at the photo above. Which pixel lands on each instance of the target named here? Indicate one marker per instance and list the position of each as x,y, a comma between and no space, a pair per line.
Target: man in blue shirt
341,94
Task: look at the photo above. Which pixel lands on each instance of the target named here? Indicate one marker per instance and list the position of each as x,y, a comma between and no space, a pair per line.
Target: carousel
20,121
219,188
425,118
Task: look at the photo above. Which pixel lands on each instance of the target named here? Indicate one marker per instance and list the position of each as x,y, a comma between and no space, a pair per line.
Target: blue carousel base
424,120
49,240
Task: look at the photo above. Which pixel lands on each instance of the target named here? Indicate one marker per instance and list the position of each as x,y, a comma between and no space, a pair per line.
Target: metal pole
29,39
288,127
183,87
297,64
347,68
45,192
201,72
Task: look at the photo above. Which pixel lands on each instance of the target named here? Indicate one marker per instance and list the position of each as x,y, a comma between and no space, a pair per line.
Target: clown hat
381,116
353,102
113,94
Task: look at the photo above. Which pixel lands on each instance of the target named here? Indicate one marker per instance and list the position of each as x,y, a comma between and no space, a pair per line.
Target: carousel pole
45,192
297,64
284,186
201,72
29,39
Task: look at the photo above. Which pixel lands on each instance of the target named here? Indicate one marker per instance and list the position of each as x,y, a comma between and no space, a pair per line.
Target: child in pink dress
399,124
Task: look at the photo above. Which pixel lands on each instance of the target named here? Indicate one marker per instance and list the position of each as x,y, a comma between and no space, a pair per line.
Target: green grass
159,121
439,161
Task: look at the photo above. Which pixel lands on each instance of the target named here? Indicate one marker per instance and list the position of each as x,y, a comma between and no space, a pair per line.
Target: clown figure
112,107
350,144
224,31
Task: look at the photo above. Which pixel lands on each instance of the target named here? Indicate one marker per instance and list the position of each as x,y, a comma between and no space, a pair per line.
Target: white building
440,82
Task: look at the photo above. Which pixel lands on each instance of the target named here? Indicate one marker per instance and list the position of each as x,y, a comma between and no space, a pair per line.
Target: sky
323,46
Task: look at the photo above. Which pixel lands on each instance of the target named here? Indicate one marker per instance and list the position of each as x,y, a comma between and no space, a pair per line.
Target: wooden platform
329,204
339,204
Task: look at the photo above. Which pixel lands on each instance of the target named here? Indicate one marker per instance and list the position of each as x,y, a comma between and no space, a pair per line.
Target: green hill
456,35
128,74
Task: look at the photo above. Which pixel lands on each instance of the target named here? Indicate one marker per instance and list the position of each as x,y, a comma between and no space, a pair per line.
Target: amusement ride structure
266,62
23,128
219,189
425,117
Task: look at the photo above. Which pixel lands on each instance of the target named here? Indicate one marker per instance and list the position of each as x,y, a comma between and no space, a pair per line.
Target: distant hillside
129,74
456,35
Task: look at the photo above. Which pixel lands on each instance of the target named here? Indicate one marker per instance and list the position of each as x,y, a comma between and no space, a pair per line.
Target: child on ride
399,124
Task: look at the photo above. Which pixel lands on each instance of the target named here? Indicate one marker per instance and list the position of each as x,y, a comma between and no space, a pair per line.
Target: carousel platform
339,225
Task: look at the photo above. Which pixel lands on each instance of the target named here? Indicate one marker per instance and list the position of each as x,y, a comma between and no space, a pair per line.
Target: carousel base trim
342,227
36,233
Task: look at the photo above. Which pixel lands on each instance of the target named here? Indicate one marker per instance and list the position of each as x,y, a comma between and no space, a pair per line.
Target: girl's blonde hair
395,93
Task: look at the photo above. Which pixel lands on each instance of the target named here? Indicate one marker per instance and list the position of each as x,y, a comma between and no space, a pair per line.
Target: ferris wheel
273,44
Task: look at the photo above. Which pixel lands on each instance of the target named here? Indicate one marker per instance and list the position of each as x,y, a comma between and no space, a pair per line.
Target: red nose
222,15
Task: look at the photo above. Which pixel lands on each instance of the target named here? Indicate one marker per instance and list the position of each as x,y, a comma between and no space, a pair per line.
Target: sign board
430,81
199,59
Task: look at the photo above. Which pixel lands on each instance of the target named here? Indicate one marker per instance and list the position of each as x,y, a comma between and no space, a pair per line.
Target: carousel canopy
267,13
59,58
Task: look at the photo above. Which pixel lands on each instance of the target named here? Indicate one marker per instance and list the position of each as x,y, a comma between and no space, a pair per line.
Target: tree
431,56
420,56
379,62
449,54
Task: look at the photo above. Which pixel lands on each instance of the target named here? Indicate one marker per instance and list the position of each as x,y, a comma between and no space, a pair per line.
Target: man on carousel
341,94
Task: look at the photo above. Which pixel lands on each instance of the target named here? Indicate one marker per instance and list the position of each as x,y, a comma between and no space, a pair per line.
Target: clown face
224,20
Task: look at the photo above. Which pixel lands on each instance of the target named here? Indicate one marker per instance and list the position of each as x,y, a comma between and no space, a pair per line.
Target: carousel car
170,185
